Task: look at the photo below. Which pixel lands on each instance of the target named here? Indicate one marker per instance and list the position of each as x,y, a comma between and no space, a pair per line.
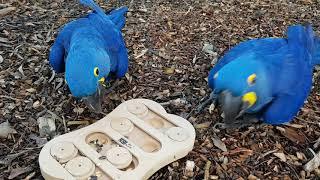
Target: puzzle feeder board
132,142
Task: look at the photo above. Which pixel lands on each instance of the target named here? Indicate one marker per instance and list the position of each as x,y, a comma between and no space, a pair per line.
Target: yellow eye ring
251,79
96,72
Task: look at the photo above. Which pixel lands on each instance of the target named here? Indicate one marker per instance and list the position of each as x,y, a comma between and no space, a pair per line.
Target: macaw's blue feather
283,69
316,55
118,18
90,43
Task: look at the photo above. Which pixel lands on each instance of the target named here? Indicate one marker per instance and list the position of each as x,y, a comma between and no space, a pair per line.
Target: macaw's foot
219,126
211,99
243,121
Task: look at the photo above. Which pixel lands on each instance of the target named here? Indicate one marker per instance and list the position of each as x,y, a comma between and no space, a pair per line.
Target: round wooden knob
177,134
122,125
80,167
120,157
138,109
63,151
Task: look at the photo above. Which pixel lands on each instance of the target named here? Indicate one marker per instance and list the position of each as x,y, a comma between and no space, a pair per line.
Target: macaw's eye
96,72
252,79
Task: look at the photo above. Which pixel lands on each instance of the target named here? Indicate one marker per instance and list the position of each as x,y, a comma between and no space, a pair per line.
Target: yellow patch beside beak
102,80
250,97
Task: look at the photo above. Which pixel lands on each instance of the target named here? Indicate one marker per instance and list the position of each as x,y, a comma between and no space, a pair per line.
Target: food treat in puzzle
132,142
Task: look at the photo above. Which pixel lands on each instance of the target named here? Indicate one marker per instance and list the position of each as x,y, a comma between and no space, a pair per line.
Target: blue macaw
91,50
266,79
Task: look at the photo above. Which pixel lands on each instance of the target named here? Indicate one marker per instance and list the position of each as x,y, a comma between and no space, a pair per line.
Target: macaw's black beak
232,106
94,101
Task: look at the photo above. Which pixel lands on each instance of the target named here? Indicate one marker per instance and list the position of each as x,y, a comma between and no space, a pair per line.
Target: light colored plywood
132,142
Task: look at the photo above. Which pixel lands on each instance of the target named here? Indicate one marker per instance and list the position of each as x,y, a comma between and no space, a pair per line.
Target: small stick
207,170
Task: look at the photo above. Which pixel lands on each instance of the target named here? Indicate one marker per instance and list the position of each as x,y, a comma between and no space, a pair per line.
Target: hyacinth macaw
91,50
265,79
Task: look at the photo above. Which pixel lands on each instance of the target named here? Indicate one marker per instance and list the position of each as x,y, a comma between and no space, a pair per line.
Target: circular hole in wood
150,147
156,122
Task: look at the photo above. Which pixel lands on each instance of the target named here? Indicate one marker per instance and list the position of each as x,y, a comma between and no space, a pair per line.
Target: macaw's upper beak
94,101
233,107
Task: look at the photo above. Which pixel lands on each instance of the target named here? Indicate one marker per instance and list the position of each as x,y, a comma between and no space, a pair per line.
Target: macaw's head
86,70
243,86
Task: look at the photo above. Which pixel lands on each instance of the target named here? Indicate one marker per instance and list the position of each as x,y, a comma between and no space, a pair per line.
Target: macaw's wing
123,61
117,16
118,56
56,56
60,47
284,107
294,81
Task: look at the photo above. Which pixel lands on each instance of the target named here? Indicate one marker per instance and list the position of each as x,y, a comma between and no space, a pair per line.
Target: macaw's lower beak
233,107
94,101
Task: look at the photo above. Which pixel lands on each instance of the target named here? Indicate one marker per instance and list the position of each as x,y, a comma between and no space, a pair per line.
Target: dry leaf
169,70
18,171
301,156
252,177
293,135
238,150
6,11
143,52
281,156
244,156
211,108
202,125
219,144
297,126
5,130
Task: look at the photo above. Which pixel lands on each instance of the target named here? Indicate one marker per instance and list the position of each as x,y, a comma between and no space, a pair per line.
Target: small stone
300,156
175,164
36,104
214,177
189,168
252,177
6,129
303,174
47,126
31,90
78,110
281,156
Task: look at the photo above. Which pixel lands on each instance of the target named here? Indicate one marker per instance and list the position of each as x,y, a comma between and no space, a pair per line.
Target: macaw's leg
211,99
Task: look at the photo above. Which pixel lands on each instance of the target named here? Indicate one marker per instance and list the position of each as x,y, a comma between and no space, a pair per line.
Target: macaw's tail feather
94,6
299,34
118,16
